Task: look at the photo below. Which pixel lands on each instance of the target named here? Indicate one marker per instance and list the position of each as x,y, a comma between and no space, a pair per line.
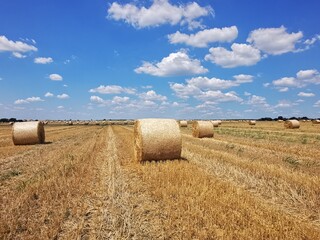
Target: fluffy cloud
257,100
159,13
55,77
48,94
184,90
152,96
218,96
7,45
112,89
18,55
240,55
216,83
63,96
97,99
284,89
274,41
204,37
120,100
302,79
317,104
208,89
175,64
43,60
28,100
284,104
287,81
304,94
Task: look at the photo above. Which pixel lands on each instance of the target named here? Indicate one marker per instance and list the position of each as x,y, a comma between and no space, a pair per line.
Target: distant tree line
283,118
7,120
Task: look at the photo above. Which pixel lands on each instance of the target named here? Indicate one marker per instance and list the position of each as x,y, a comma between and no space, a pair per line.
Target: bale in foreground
201,129
157,139
24,133
292,124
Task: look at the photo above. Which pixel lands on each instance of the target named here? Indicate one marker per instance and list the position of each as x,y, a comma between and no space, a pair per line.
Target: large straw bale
157,139
183,124
215,123
201,129
252,122
24,133
292,124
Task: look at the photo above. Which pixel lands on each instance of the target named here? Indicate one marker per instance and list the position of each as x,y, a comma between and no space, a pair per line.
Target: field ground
248,182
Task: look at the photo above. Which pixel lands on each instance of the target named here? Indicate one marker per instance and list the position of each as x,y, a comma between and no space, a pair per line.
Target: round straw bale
157,139
292,124
183,124
316,121
215,123
252,122
24,133
202,129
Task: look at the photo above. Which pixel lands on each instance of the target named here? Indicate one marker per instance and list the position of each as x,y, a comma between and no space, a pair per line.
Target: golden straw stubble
201,129
157,139
26,133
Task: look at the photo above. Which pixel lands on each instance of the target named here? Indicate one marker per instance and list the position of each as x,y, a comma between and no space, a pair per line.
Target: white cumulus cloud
302,79
304,94
274,41
218,96
159,13
120,100
205,83
240,55
317,104
204,37
152,96
49,94
178,63
112,89
18,55
97,99
7,45
43,60
28,100
55,77
63,96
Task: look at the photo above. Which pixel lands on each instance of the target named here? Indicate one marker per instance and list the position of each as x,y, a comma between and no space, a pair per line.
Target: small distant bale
157,139
201,129
183,124
26,133
70,123
292,124
252,122
316,121
280,121
215,123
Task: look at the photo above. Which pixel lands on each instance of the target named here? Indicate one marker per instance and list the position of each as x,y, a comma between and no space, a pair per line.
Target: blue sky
177,59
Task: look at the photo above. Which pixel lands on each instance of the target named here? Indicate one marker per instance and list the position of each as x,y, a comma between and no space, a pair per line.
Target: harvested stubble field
248,182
